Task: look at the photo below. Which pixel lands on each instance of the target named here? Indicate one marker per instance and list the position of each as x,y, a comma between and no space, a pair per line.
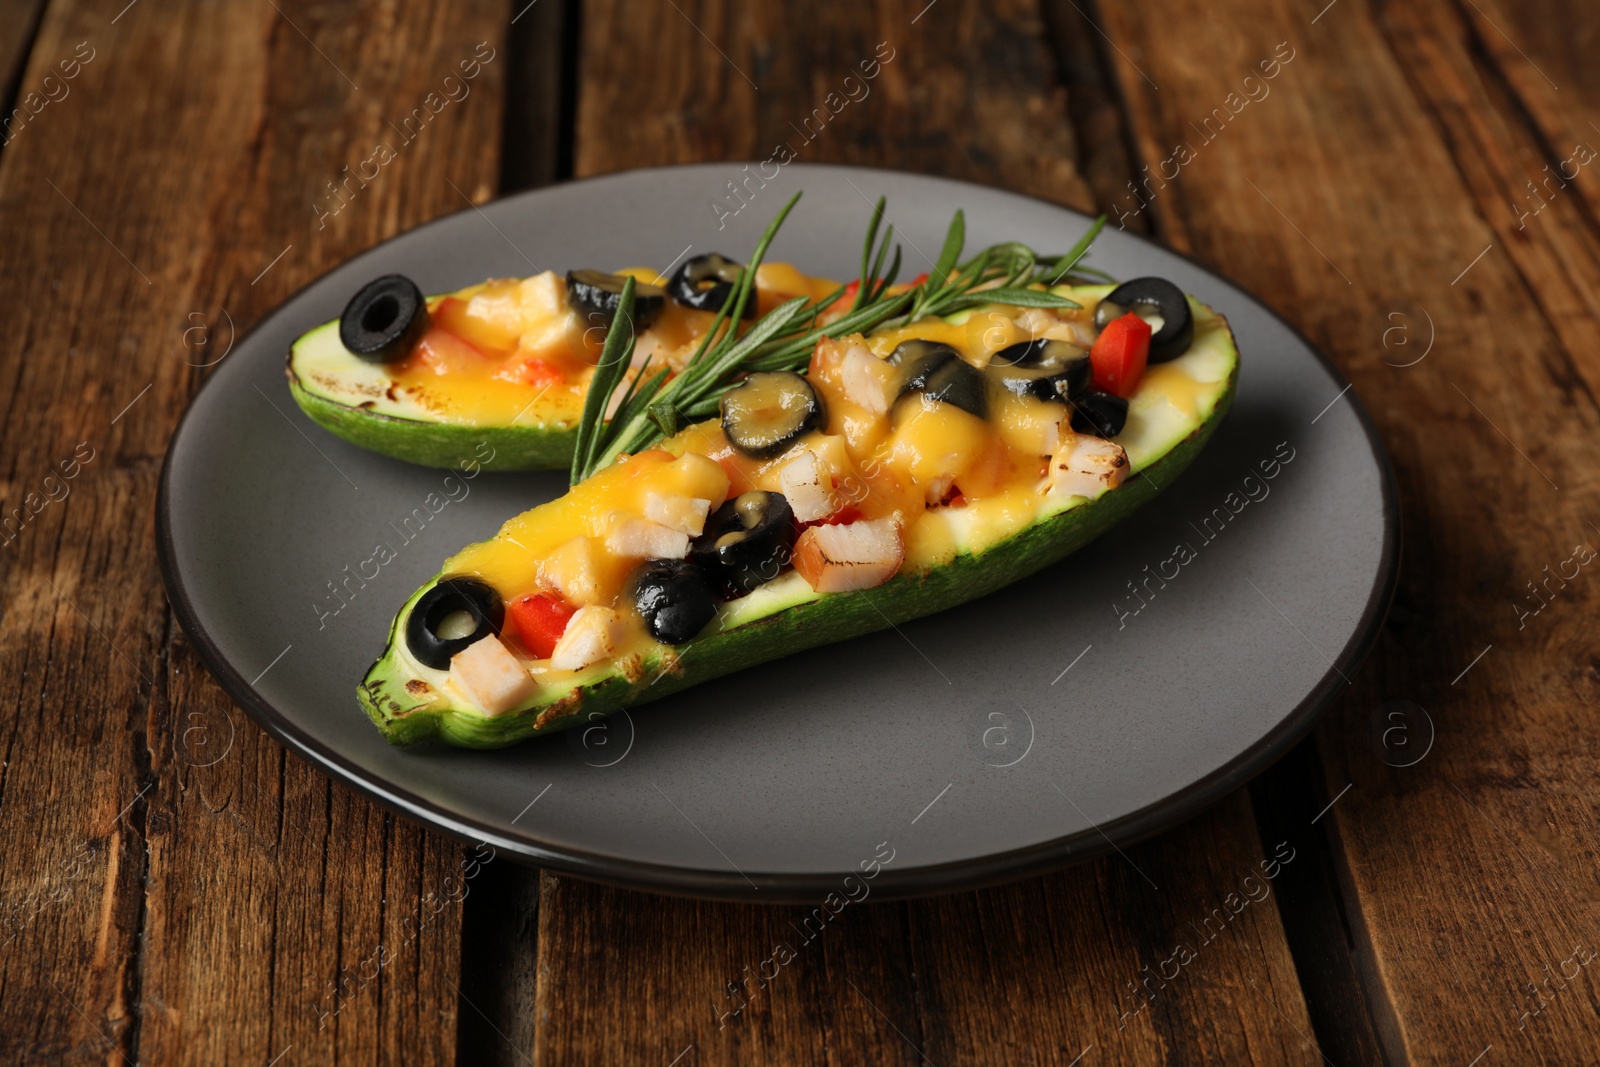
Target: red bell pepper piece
539,621
1119,355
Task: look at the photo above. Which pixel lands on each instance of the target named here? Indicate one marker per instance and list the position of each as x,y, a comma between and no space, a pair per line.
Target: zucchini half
352,399
1171,418
363,403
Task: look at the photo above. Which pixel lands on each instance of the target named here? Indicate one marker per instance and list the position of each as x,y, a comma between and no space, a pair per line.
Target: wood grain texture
968,91
19,21
1093,103
1469,873
176,888
179,889
1135,957
1520,148
1034,973
1287,800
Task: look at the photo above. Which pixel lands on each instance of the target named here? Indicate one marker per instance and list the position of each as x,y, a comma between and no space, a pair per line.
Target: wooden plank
632,978
19,20
1520,147
1545,55
1469,872
1131,959
1092,102
209,898
1030,973
990,109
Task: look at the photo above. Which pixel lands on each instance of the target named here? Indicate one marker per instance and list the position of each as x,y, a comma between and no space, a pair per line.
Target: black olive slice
452,615
1152,298
706,283
1047,369
384,320
675,598
936,372
747,541
595,295
1039,352
766,412
1100,414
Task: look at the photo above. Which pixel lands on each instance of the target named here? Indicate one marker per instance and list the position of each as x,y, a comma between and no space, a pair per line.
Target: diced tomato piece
543,374
842,305
444,353
1119,355
847,298
539,621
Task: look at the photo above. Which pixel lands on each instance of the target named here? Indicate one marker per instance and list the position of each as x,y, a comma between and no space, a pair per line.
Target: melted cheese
988,477
883,473
515,353
512,559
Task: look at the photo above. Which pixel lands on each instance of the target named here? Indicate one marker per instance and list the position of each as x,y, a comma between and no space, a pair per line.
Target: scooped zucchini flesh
928,506
506,362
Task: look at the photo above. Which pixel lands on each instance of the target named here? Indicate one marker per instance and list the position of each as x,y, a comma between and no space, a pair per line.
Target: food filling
521,350
892,454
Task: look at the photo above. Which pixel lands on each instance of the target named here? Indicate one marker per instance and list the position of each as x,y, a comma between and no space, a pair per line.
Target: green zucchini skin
836,617
546,446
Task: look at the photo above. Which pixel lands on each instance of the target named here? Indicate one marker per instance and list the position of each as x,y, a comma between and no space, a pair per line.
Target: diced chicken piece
865,378
544,293
807,486
593,634
686,514
574,571
647,347
533,309
1090,466
862,555
1039,322
491,676
644,539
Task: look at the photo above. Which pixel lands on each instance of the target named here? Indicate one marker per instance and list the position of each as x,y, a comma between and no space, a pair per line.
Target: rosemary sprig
653,406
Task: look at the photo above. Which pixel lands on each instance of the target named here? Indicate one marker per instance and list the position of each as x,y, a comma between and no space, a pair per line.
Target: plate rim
790,887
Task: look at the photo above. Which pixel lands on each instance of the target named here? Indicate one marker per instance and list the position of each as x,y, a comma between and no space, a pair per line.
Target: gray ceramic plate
1012,735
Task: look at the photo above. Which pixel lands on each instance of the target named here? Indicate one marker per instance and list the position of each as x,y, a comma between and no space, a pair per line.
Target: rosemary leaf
615,355
864,282
1026,298
1070,260
954,239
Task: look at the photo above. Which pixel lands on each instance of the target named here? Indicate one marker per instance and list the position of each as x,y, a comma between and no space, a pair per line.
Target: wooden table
1407,182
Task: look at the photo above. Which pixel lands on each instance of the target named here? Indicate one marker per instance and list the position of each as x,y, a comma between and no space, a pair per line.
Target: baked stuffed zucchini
894,473
430,379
